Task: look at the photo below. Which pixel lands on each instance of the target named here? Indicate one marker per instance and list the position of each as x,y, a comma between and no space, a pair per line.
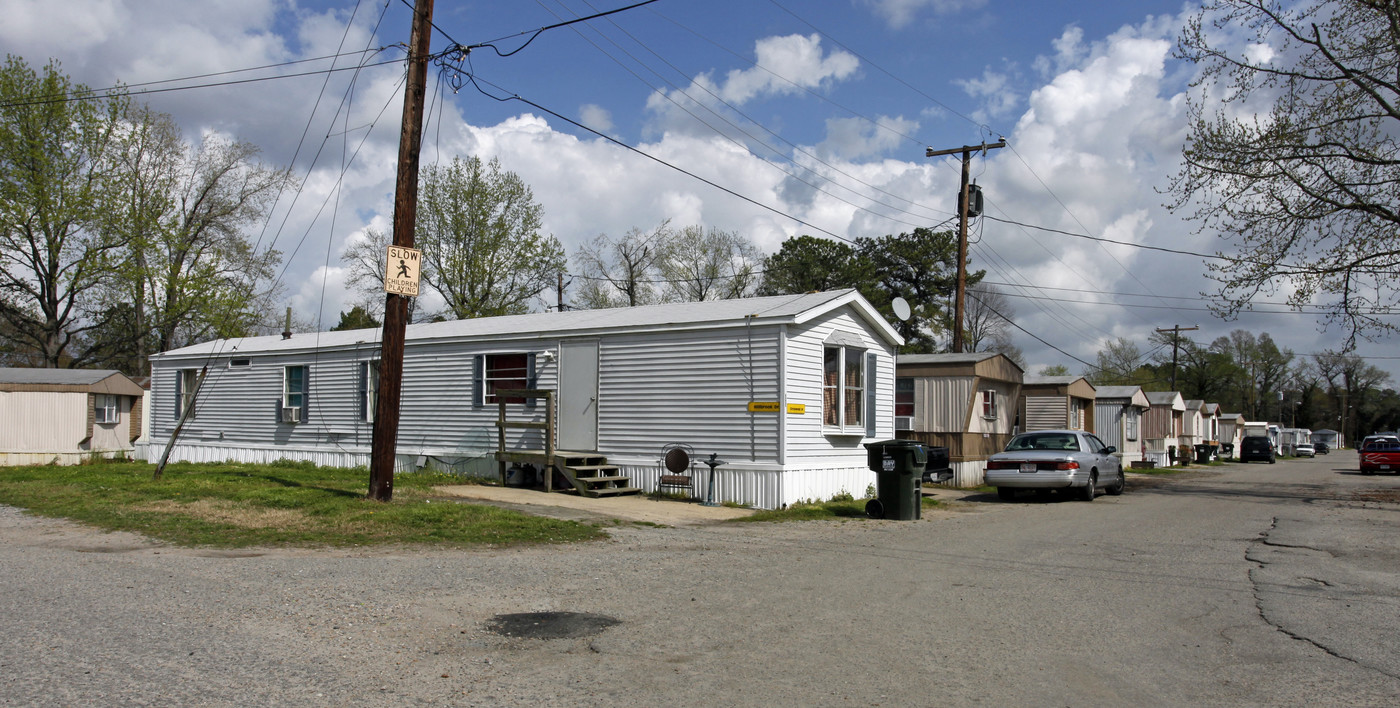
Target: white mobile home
65,416
784,389
1118,413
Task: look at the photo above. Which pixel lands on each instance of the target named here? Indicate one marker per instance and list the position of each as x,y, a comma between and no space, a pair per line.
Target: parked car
1322,448
1056,459
1257,448
1382,455
1303,450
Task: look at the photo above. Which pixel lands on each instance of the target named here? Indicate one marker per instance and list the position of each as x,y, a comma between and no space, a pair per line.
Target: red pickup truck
1380,456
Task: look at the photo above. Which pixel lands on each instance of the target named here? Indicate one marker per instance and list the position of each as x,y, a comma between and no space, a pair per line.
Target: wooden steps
592,476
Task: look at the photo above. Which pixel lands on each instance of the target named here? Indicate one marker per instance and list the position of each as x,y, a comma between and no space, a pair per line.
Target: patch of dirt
1388,496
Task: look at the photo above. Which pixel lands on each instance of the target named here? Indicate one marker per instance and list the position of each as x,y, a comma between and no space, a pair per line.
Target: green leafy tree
1055,370
1292,152
357,318
55,179
920,267
810,264
478,228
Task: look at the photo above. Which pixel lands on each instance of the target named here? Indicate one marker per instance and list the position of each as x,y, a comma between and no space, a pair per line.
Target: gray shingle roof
779,308
60,377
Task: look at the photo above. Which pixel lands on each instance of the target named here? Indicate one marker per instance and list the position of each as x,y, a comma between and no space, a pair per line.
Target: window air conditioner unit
904,422
291,414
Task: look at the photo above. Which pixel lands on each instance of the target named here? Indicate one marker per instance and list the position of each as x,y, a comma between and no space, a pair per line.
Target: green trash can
899,468
1202,454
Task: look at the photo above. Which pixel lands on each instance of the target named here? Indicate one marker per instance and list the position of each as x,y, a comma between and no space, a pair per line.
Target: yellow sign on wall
796,409
765,406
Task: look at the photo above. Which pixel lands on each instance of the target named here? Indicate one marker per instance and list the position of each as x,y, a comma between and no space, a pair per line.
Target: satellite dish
901,308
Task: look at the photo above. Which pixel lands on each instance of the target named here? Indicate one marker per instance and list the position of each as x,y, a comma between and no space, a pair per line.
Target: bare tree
713,264
1292,152
622,272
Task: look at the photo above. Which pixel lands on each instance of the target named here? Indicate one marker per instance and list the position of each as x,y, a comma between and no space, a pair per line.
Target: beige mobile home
963,402
64,416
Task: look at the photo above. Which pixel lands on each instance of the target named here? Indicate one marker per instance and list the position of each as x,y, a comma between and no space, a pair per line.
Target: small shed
1162,427
1118,413
963,402
66,416
1056,403
783,389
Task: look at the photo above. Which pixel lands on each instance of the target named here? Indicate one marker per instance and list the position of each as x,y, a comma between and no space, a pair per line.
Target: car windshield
1044,441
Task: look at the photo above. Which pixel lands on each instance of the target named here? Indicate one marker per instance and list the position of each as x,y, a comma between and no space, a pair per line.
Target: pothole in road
550,625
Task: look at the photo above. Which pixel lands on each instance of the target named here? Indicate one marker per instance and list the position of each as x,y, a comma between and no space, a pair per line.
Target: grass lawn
283,504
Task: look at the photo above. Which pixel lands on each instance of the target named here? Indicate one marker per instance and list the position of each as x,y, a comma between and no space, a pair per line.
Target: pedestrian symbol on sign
402,279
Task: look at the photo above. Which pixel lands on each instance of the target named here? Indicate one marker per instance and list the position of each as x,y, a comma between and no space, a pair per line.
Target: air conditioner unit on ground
291,414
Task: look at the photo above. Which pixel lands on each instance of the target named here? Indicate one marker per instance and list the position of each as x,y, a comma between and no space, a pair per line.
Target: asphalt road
1244,585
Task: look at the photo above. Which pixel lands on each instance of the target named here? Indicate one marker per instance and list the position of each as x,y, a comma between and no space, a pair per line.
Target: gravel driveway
1147,598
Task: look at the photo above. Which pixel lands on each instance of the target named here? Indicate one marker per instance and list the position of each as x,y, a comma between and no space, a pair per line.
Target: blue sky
828,129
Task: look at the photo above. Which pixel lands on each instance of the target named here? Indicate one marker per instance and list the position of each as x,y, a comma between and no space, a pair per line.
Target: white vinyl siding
692,388
807,438
42,421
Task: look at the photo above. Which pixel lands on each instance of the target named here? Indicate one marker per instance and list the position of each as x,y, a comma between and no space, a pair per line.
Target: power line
117,91
537,32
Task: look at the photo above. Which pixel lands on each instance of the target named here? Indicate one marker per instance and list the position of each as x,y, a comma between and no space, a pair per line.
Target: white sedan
1056,459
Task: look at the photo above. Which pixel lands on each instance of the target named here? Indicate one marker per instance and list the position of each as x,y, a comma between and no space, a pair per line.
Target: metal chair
676,459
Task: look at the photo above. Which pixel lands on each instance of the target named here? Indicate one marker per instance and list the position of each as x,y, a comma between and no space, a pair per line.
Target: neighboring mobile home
963,402
1118,413
784,389
1193,428
1056,403
1230,432
1328,437
66,416
1162,426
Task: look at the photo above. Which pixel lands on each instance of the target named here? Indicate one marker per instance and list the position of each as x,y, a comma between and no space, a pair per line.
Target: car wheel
1006,493
1087,493
1117,489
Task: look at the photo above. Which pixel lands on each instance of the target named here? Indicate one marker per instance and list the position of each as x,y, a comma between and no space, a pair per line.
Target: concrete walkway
632,507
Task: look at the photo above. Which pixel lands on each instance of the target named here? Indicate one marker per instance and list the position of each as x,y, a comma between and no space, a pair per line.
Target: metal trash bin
1202,454
899,466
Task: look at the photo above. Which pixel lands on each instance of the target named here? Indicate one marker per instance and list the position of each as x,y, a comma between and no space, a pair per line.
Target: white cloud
854,138
596,117
993,91
899,13
786,65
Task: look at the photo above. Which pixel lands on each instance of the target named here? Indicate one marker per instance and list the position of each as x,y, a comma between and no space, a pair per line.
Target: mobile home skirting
764,486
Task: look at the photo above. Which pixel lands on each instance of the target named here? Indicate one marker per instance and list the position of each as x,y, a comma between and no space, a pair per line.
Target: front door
578,396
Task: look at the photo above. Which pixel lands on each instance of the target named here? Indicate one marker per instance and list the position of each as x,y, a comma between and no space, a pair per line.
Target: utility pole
1176,331
963,205
386,410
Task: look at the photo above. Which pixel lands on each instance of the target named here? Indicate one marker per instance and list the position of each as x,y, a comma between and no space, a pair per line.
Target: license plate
1027,466
1384,467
